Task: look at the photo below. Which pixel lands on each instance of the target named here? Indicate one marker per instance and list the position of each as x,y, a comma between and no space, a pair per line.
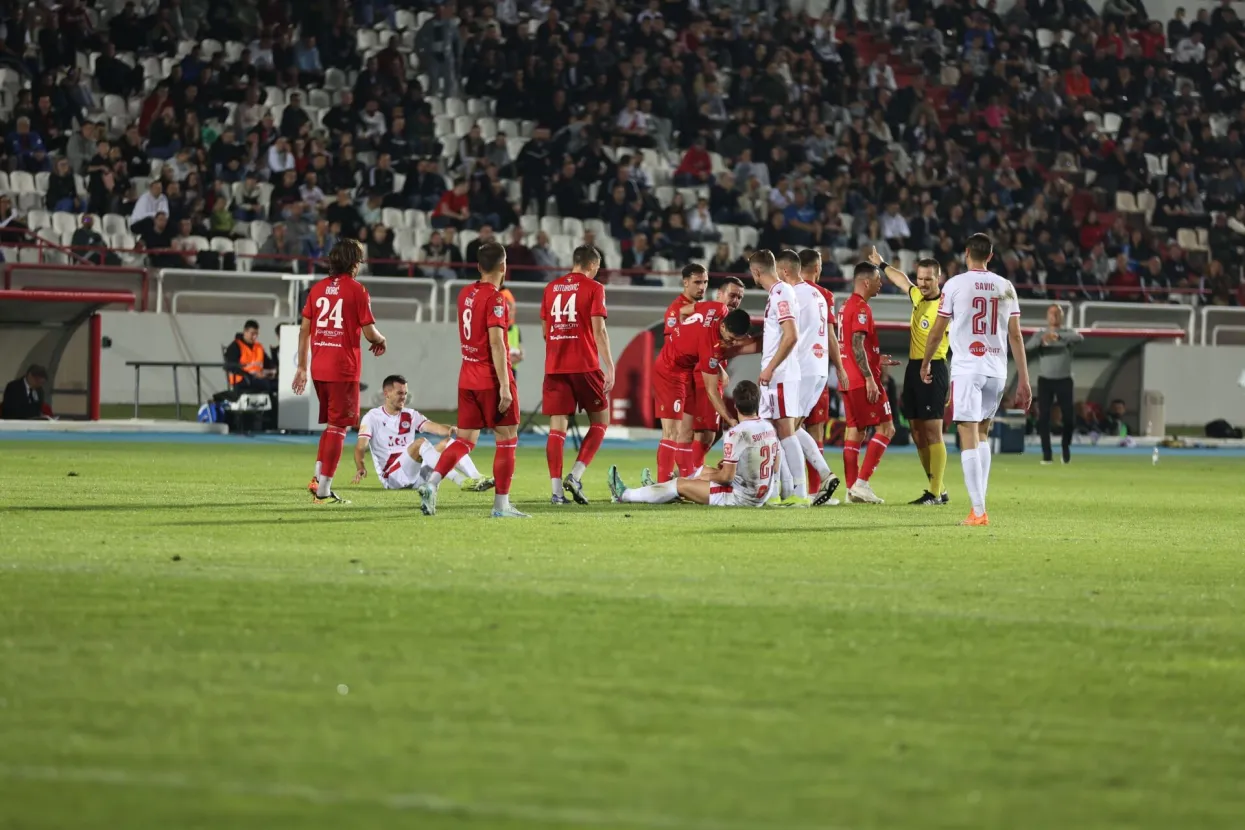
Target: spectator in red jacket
1092,231
1076,82
453,208
153,105
696,168
1151,40
1122,279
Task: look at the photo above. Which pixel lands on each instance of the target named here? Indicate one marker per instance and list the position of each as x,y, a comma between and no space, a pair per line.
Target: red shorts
339,402
567,392
670,394
861,413
477,408
698,405
821,412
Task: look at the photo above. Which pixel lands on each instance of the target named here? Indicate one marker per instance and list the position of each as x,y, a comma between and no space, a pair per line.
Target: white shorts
406,476
781,399
975,398
810,394
726,497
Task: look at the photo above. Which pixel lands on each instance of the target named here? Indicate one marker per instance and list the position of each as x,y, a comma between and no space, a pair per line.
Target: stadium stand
1102,152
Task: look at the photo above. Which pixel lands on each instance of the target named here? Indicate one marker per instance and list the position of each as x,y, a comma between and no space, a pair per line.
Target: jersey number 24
328,313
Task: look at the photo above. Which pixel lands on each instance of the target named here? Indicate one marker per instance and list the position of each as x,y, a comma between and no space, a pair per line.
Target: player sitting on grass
745,477
391,431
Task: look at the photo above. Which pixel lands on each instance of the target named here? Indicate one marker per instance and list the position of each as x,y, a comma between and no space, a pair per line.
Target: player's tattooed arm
858,352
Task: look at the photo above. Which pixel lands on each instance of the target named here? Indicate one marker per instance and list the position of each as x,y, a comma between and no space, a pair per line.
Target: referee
1053,347
924,403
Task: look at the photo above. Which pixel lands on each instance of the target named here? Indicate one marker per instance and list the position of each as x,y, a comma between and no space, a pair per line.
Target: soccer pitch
186,642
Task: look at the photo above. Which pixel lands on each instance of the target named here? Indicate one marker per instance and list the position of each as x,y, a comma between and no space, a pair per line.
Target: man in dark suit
23,398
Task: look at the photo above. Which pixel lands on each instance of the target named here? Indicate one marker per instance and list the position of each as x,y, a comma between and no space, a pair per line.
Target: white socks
793,466
556,484
324,485
501,502
663,493
467,467
812,454
429,456
578,469
974,481
984,455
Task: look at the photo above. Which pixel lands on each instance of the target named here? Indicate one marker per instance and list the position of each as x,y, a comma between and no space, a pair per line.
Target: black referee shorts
926,401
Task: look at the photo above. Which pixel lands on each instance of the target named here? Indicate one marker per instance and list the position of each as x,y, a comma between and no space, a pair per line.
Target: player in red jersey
865,398
487,395
700,420
579,367
336,312
696,345
815,423
675,447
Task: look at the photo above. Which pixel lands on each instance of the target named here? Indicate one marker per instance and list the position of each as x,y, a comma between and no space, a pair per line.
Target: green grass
1079,664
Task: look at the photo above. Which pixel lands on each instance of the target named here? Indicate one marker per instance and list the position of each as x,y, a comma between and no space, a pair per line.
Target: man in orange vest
246,358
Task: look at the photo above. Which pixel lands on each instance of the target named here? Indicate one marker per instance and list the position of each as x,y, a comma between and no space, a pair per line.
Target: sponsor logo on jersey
727,450
977,349
924,322
784,308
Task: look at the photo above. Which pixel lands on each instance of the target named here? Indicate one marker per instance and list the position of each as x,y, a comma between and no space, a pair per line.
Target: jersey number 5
328,313
984,309
560,310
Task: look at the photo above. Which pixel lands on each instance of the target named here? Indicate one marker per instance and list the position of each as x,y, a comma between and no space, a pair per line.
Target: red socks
684,459
503,465
666,456
587,450
330,451
873,455
454,453
553,452
851,462
699,451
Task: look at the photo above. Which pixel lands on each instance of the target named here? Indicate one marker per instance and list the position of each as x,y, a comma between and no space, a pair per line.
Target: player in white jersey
750,457
983,313
780,370
399,455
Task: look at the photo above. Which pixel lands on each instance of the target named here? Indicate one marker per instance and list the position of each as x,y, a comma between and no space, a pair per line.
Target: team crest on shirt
726,450
713,363
924,323
672,321
861,318
784,308
404,423
499,310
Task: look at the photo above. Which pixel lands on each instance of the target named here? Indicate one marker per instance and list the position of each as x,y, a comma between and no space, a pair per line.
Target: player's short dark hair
586,255
747,397
692,269
864,270
929,262
789,258
346,256
391,380
730,281
37,371
764,260
490,256
737,322
250,324
809,257
979,248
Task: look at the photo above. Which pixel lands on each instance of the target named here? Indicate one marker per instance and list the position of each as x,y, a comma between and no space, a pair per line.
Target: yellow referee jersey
923,313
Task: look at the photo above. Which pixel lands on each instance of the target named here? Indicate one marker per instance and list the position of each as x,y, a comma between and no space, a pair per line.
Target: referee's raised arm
898,278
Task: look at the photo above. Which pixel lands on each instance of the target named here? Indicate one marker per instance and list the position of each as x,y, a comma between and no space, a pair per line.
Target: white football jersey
752,445
980,304
812,323
781,306
390,435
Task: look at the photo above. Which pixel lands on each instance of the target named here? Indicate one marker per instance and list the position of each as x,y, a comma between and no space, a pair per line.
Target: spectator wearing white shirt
374,127
894,227
881,76
748,169
700,223
311,194
780,194
148,205
631,121
280,158
1191,49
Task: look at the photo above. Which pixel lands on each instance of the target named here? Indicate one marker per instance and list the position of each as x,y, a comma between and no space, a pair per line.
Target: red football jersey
672,313
338,308
695,345
568,306
480,307
720,310
858,317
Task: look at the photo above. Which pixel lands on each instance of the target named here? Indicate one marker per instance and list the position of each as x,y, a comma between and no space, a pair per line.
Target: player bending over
750,454
983,313
391,431
336,312
864,399
780,378
579,367
924,404
487,395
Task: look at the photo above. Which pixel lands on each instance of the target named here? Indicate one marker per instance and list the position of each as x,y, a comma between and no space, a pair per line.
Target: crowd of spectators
908,131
